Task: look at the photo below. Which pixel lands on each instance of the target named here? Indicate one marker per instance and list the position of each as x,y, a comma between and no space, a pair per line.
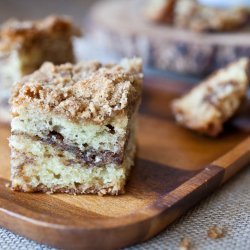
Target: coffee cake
73,127
207,106
25,45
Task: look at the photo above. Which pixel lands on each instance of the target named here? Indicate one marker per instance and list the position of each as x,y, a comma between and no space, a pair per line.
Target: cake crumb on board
216,232
185,244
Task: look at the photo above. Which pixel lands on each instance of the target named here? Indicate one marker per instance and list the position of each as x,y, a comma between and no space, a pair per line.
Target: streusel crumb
88,90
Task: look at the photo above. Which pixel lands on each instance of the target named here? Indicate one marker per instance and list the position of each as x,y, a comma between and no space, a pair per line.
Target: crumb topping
87,90
14,32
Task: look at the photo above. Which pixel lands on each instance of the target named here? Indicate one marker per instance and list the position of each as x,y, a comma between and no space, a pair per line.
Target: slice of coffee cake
25,45
73,127
207,106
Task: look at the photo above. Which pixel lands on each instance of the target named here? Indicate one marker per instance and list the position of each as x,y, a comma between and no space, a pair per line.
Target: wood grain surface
121,27
175,169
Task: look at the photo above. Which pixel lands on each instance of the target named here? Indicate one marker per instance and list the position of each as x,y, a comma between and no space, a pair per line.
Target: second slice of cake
26,45
73,127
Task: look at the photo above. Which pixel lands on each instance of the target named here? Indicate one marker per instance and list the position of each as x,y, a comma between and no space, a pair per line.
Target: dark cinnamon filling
89,156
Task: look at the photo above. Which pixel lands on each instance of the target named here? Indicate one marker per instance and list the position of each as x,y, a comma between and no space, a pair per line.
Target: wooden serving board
175,169
120,26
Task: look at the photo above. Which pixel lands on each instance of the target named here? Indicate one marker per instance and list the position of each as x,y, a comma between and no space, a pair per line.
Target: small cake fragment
73,127
26,45
185,244
207,106
216,232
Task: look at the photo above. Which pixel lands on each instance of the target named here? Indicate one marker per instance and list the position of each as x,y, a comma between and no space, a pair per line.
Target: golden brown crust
14,32
85,91
73,191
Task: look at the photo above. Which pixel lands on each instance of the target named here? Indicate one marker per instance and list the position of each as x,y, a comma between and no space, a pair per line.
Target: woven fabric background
229,208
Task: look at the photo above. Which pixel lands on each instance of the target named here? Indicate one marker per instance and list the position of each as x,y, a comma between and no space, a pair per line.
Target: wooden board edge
234,160
203,184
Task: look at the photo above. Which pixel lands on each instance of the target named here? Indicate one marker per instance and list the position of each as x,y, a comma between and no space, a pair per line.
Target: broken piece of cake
25,45
73,127
207,106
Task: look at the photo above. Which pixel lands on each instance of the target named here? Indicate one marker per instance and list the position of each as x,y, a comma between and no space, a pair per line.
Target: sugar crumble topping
87,90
